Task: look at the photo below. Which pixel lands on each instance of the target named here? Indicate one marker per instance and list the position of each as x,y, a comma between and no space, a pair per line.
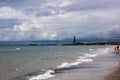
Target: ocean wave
46,75
66,65
90,49
17,48
104,51
91,55
50,73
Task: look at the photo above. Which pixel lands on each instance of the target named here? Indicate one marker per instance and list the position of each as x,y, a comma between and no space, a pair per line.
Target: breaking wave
66,65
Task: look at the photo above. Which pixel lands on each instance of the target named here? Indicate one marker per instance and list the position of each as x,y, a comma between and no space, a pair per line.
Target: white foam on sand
63,65
46,75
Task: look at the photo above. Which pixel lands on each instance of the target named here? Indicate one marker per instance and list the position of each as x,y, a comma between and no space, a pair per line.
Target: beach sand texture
115,75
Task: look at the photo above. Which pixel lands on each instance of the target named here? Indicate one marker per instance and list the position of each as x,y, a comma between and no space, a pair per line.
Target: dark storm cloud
114,33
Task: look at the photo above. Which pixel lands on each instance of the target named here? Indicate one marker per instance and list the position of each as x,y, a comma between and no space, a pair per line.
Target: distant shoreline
67,44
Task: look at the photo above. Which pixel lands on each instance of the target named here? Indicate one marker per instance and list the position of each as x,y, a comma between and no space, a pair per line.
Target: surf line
64,66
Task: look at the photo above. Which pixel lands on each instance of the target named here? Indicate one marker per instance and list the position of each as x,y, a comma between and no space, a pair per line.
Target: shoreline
114,75
99,67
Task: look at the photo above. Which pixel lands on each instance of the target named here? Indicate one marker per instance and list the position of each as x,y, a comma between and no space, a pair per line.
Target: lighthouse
74,41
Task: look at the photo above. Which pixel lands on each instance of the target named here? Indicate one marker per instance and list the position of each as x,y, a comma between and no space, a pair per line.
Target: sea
56,62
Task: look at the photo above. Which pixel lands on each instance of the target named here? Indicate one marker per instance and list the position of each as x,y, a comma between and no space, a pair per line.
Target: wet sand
115,75
102,68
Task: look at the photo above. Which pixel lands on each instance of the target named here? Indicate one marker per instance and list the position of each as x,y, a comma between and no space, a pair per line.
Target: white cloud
58,3
11,13
58,26
66,3
23,27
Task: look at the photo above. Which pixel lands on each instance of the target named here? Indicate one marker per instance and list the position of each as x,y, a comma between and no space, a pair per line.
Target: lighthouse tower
74,41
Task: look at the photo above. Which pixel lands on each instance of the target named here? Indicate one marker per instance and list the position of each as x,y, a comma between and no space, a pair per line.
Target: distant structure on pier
74,41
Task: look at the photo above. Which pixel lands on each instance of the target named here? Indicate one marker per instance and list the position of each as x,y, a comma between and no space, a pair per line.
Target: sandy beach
104,67
115,75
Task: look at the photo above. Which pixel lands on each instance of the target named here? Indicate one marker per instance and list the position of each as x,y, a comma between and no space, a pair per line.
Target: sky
59,19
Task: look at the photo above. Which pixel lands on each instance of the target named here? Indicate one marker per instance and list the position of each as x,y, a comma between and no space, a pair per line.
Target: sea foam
81,59
104,51
46,75
78,61
90,49
17,48
50,73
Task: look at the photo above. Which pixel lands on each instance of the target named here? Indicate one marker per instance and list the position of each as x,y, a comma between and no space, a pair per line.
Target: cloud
9,23
62,26
11,13
61,20
57,3
112,33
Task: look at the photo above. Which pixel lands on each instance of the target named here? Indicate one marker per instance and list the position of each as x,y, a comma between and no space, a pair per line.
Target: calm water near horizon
20,60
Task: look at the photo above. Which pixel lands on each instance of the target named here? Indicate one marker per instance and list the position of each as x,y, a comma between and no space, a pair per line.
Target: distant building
74,41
